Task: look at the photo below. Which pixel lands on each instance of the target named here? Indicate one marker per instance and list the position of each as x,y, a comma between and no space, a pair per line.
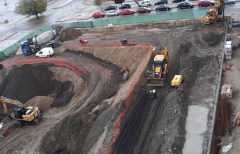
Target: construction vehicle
213,15
46,39
176,81
22,115
160,67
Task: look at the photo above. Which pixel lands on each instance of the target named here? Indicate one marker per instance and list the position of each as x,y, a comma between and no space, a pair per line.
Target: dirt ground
80,114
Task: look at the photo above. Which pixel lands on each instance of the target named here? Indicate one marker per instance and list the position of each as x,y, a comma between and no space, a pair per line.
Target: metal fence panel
159,17
2,55
199,13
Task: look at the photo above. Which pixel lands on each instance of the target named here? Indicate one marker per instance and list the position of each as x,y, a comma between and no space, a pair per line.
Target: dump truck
157,75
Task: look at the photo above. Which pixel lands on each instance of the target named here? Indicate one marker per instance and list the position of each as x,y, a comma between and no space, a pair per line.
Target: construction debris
5,130
226,91
227,67
227,147
224,117
236,120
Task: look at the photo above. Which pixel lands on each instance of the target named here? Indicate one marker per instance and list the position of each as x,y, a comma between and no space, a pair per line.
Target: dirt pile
43,102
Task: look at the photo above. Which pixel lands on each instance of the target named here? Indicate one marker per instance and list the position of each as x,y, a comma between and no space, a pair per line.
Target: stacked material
226,91
228,50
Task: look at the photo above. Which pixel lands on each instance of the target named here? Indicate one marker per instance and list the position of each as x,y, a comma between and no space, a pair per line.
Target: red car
203,3
143,10
126,12
98,15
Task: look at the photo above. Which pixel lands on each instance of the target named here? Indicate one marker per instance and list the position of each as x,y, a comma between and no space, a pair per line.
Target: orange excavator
213,15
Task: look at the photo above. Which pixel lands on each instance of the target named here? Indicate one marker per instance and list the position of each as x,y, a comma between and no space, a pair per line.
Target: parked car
185,5
145,3
176,1
126,12
162,7
98,15
161,2
112,13
204,3
125,6
143,10
229,2
111,7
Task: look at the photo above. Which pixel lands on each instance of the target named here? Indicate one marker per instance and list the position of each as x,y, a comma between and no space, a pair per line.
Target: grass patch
35,19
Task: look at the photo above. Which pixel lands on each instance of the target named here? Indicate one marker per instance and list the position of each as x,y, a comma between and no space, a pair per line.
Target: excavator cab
19,112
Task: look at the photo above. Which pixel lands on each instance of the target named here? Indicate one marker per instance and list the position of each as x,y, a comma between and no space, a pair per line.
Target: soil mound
28,81
43,102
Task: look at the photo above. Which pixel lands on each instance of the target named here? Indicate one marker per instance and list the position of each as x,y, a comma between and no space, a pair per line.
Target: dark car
143,10
161,2
176,1
204,3
111,7
162,7
125,6
185,5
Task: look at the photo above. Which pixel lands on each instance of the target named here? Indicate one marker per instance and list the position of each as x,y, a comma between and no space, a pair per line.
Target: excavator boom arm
5,100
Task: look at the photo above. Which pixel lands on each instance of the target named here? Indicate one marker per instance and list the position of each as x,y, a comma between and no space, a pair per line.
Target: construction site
88,106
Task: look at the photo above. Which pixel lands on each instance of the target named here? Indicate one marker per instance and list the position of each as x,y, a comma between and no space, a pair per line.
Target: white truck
45,52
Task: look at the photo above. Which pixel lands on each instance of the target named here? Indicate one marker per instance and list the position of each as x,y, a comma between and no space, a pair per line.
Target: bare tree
98,3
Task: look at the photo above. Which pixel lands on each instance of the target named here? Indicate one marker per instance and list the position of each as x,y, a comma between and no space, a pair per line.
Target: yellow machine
22,114
159,69
213,15
177,80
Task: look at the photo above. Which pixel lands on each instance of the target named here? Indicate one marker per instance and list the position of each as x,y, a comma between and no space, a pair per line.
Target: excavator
23,115
213,15
159,69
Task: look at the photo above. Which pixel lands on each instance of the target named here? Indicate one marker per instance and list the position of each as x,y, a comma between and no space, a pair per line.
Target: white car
112,13
45,52
229,1
145,3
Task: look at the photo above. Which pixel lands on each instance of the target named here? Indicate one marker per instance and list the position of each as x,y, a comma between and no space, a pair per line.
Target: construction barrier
128,20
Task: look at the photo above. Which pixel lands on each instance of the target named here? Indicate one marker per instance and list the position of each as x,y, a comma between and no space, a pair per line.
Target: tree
98,3
32,7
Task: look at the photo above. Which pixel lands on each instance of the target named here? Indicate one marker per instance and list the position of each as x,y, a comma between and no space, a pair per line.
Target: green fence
124,20
158,17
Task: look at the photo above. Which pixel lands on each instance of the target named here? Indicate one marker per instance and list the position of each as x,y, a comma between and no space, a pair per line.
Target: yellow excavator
213,15
23,115
159,69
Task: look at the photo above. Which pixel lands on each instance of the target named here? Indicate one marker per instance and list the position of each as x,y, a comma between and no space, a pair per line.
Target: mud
81,113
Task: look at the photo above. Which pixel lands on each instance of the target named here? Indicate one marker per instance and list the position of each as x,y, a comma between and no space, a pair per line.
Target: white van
45,52
145,3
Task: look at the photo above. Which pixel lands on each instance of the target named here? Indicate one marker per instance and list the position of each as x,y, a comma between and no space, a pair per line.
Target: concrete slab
196,125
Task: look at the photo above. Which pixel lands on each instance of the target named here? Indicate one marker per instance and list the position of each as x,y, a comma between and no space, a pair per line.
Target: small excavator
213,15
159,69
23,115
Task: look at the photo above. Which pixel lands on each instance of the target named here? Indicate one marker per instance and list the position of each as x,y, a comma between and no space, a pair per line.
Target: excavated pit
89,123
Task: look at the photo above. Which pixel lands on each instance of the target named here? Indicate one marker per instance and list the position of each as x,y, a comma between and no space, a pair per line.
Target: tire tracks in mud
140,122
